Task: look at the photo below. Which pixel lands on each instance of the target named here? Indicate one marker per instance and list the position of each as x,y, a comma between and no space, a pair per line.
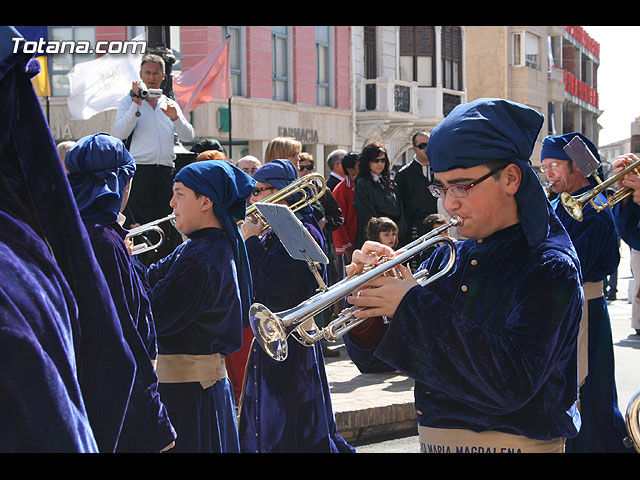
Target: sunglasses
378,160
421,146
258,190
302,168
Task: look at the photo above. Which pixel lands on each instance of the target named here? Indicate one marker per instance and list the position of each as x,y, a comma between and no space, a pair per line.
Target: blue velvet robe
286,406
41,405
626,217
492,346
105,365
603,427
359,341
196,308
146,427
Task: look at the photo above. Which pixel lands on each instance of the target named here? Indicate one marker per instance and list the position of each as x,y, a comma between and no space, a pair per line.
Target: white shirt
426,169
153,137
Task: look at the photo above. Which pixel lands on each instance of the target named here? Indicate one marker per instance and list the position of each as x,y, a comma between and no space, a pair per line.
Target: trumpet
149,227
574,205
632,418
272,330
311,187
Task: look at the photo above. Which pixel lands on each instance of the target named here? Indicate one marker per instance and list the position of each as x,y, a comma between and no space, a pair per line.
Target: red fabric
367,334
345,235
237,361
209,79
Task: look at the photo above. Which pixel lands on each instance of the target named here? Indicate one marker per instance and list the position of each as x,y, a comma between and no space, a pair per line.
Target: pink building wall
198,41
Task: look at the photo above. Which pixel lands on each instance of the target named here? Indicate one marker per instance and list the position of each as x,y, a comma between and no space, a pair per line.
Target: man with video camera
151,119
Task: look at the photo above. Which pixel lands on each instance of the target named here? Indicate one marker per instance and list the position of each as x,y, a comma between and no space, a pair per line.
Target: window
175,45
517,49
532,51
135,30
323,67
451,39
61,63
370,53
370,65
417,47
526,50
235,57
279,63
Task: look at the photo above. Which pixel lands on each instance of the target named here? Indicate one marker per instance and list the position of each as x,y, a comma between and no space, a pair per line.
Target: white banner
98,85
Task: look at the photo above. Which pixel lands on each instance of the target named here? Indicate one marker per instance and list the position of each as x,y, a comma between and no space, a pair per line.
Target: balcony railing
583,37
580,89
390,95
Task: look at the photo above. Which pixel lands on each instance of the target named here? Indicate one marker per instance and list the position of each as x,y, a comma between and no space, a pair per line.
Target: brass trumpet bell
574,205
632,418
310,188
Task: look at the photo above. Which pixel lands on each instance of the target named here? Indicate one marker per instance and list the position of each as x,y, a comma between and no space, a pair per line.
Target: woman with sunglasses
375,193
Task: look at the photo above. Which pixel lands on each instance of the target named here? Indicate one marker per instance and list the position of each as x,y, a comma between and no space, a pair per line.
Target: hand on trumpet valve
631,180
381,296
129,244
369,254
251,226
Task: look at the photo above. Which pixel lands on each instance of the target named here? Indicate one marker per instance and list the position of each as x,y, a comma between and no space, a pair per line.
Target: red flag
208,80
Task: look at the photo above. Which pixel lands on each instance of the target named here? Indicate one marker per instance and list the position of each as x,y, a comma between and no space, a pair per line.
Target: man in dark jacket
412,181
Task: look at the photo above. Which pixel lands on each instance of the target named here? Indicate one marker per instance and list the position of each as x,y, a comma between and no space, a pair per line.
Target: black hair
371,152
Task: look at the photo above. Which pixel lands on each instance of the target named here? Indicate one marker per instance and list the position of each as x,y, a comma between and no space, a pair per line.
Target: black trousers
149,199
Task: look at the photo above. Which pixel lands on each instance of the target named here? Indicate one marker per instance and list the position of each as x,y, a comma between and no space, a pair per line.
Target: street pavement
368,406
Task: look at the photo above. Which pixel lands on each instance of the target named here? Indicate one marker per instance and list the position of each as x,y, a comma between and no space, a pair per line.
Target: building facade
552,69
406,79
345,86
287,81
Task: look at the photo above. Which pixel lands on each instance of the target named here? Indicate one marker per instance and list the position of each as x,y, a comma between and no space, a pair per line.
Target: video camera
149,93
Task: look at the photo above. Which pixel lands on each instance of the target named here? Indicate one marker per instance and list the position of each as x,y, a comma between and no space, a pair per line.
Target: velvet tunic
492,346
603,427
30,162
360,340
147,427
42,409
626,217
286,406
196,307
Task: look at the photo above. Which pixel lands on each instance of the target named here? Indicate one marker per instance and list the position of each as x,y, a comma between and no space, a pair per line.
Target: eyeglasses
378,160
302,168
421,146
258,190
549,166
459,191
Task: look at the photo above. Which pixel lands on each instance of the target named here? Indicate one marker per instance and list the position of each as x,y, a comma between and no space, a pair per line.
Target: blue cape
228,187
31,166
490,129
99,168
